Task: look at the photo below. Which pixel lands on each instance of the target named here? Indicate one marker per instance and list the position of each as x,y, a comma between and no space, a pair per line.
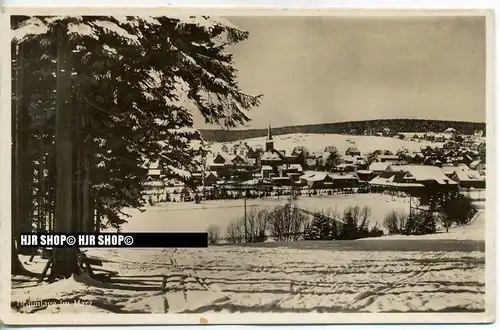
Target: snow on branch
179,93
31,27
112,27
179,172
82,29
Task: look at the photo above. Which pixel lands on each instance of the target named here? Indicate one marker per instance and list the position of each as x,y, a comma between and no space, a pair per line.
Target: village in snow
266,268
320,216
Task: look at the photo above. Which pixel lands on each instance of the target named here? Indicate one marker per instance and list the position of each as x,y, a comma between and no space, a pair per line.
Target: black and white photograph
308,164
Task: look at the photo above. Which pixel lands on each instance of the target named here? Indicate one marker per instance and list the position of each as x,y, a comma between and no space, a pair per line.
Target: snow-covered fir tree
122,91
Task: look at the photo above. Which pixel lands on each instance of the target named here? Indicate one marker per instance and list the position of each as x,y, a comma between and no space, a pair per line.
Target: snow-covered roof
394,157
154,172
345,165
236,158
423,173
318,177
311,162
464,173
297,167
222,154
352,150
475,163
325,154
298,149
381,180
153,183
364,172
216,165
378,166
342,177
448,169
450,130
271,155
251,182
153,165
309,174
331,149
389,182
213,173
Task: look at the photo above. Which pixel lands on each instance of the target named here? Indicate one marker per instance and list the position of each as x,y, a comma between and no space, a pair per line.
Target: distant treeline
350,127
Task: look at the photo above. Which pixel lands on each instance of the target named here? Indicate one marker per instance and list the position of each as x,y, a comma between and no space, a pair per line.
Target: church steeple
269,140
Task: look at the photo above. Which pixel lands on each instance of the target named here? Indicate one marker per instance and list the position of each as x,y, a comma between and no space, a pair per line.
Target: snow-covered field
436,273
318,142
245,279
199,217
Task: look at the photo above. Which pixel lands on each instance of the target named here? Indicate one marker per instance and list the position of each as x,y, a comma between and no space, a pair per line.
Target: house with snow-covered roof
154,174
450,133
346,168
439,138
352,151
211,178
331,149
222,164
365,175
394,180
477,165
468,178
378,167
388,158
413,178
271,159
429,176
448,170
316,179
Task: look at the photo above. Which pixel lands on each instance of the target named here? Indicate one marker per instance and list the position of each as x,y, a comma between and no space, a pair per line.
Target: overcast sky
317,70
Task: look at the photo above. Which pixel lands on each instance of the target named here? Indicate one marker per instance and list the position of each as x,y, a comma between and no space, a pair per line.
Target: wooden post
164,290
87,208
245,206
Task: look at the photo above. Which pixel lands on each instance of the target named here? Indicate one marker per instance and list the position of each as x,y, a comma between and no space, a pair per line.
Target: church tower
269,140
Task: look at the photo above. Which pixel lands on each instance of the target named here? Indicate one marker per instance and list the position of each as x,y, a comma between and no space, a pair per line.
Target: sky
328,69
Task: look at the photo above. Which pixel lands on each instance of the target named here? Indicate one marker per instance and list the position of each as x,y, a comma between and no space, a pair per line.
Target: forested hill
350,127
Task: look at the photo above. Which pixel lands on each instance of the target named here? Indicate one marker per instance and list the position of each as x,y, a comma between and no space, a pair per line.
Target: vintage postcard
181,166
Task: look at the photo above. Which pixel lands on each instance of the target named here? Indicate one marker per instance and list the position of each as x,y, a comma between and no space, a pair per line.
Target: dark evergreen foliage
131,85
356,127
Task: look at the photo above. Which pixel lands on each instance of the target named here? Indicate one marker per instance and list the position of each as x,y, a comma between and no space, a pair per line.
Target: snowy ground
318,142
244,279
437,273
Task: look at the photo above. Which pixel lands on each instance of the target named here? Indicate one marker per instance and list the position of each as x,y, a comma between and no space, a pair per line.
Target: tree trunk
64,263
17,267
51,191
77,190
88,219
41,182
97,221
